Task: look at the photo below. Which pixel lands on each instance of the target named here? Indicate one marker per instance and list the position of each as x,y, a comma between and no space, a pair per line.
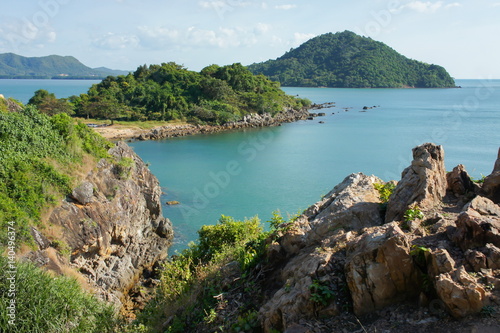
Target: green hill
13,66
346,60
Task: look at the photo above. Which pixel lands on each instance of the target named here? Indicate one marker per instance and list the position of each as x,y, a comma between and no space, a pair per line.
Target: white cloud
427,6
112,41
161,37
285,7
299,38
496,4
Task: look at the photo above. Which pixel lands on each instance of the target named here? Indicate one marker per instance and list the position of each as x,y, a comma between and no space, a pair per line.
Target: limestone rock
491,186
492,256
440,262
83,193
459,181
423,183
352,205
475,230
460,293
122,232
379,269
483,206
476,259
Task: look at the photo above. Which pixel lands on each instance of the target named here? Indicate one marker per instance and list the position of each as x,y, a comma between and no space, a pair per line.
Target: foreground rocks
372,263
110,229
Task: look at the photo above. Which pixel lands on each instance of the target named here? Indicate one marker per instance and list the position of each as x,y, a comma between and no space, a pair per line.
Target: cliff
110,229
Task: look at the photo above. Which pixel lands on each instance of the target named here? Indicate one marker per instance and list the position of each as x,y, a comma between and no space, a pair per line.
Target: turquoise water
243,174
255,172
23,90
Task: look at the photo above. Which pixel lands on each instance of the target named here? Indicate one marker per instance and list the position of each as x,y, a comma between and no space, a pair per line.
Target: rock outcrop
491,186
112,225
449,263
422,184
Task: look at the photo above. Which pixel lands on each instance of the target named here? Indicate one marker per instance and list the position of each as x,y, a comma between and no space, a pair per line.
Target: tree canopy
169,91
346,60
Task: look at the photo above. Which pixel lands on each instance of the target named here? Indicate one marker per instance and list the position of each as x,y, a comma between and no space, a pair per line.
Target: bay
288,168
23,90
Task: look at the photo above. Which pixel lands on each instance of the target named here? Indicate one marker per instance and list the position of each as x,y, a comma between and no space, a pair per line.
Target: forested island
347,60
215,95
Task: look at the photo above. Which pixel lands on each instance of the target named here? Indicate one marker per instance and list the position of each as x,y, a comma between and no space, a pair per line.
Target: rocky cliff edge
110,229
420,262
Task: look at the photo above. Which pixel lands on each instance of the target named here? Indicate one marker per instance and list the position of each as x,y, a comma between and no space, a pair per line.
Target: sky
461,35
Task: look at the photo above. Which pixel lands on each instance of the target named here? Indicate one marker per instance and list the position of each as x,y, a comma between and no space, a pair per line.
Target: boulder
460,293
459,181
354,204
379,269
491,185
84,193
475,230
422,184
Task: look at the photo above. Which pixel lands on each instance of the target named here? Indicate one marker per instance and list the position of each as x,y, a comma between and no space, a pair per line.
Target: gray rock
83,193
379,269
422,184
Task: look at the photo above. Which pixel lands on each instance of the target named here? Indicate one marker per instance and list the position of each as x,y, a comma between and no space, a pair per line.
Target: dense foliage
47,304
38,154
192,281
346,60
169,92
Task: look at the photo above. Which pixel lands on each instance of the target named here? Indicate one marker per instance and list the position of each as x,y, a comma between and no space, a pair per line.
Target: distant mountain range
13,66
347,60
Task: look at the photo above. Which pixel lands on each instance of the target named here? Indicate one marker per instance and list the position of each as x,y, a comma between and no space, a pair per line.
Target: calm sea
23,90
288,168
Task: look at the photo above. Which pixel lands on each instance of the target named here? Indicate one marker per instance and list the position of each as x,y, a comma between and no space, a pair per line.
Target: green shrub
38,152
48,304
385,191
412,214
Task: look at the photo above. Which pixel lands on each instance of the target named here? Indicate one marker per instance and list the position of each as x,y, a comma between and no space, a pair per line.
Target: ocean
288,168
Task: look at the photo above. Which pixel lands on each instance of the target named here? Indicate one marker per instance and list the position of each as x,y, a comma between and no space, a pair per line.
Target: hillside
346,60
13,66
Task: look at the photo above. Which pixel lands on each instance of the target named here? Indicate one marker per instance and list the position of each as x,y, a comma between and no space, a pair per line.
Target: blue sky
461,35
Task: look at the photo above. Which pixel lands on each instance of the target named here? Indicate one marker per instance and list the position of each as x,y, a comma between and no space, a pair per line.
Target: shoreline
253,120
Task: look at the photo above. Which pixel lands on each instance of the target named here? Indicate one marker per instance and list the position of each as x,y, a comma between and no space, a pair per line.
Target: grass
44,303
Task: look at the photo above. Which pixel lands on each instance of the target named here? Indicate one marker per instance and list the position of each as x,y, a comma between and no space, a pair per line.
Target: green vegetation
13,66
385,191
321,292
193,282
346,60
165,92
44,303
412,214
39,154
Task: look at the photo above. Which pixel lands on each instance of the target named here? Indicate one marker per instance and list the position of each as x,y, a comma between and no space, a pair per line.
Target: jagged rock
460,293
483,206
492,256
491,186
459,181
40,239
83,193
122,232
476,259
440,262
352,205
475,230
423,183
379,269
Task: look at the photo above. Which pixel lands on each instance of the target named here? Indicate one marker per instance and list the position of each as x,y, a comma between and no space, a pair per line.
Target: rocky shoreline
253,120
